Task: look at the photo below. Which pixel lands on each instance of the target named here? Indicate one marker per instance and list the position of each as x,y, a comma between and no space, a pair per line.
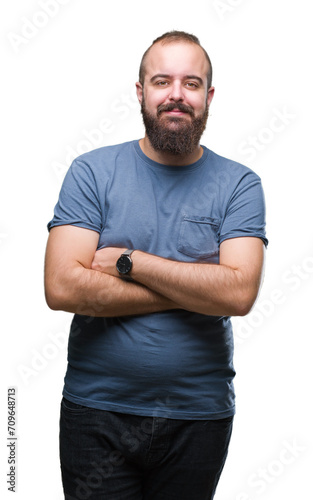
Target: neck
168,158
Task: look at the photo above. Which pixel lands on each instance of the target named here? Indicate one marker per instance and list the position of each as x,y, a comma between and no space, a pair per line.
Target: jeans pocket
198,236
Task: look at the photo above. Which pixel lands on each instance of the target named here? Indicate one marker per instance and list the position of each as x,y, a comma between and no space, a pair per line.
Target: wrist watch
124,265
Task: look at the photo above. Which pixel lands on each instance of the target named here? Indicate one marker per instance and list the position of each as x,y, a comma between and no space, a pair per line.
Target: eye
192,85
162,83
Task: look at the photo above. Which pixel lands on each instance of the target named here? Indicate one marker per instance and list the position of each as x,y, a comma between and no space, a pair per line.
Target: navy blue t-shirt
174,364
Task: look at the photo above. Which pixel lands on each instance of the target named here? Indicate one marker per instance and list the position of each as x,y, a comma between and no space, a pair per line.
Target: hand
105,260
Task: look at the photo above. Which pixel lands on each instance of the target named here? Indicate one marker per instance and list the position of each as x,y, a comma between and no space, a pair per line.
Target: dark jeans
112,456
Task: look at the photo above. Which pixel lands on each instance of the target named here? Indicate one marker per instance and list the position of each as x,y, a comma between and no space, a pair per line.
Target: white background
68,73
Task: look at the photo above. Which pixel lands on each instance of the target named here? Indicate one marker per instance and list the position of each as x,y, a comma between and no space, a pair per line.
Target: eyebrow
188,77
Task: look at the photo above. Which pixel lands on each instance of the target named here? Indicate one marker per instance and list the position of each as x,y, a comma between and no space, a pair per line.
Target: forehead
176,59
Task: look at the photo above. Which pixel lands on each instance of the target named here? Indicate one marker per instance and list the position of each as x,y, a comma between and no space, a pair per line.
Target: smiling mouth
174,113
175,110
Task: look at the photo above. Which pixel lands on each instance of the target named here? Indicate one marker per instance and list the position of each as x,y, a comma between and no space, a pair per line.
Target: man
154,245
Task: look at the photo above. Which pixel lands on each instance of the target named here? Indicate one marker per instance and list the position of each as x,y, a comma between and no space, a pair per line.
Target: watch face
124,264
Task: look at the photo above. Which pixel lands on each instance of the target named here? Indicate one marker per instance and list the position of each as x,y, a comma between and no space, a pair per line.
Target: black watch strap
128,252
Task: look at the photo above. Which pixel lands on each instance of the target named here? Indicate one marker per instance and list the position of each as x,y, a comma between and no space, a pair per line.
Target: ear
139,91
210,96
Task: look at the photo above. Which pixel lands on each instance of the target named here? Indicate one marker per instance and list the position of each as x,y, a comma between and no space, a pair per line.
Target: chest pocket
199,236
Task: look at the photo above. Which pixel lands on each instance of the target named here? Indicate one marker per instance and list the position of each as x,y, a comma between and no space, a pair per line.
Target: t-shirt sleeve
78,203
245,214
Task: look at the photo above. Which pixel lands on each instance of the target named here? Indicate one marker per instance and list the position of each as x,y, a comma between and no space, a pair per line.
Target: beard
174,134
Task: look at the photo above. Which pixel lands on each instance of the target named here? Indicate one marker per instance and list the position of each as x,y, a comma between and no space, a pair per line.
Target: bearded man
153,246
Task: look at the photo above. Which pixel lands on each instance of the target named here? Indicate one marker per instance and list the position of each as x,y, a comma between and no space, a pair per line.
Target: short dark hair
175,36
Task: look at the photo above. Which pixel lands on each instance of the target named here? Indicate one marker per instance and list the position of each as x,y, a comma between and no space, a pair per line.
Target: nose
176,92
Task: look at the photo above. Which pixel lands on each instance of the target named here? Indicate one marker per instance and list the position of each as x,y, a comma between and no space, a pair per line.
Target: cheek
154,98
199,106
158,97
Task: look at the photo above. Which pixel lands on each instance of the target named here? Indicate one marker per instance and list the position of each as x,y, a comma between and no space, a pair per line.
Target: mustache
169,107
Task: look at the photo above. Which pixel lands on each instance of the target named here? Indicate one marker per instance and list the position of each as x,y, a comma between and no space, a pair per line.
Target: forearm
229,288
204,288
92,293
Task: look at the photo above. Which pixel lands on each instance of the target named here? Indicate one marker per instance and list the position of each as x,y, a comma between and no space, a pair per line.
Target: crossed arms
82,280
